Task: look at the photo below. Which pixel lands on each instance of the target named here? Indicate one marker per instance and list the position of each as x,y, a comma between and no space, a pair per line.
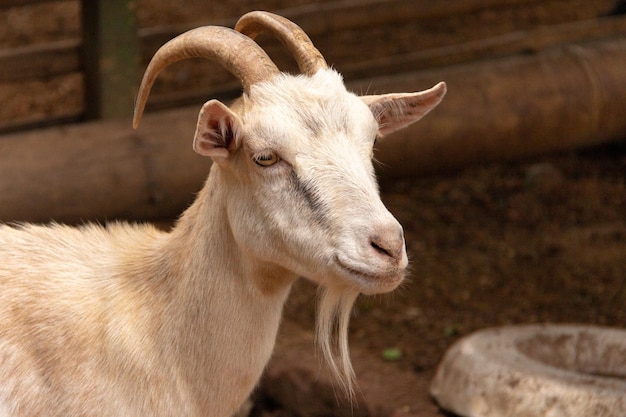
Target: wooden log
40,61
101,170
561,99
566,98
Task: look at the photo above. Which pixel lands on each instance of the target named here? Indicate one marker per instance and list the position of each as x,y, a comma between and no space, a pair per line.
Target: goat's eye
266,159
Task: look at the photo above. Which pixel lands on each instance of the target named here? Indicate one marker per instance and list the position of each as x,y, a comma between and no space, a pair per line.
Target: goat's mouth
371,282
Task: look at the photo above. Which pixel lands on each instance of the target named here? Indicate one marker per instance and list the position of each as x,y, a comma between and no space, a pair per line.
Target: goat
127,320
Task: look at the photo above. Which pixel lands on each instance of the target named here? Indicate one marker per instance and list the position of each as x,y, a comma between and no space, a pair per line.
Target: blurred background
512,192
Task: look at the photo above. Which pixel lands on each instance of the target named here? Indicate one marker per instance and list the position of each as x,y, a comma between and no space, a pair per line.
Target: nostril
381,250
388,246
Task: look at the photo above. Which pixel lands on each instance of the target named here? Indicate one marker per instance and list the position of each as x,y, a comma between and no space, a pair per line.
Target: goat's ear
395,111
218,131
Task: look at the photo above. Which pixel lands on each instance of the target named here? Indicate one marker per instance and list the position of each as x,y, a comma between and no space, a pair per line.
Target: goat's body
129,321
122,329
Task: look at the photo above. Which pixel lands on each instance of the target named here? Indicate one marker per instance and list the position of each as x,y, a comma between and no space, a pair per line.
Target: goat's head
296,152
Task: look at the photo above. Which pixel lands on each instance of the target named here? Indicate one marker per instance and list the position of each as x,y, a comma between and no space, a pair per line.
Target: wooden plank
402,35
57,58
322,19
510,108
6,4
325,18
40,61
221,84
60,57
319,18
520,42
39,122
110,52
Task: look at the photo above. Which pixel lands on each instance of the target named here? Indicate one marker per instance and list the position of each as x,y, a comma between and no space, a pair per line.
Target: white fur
126,320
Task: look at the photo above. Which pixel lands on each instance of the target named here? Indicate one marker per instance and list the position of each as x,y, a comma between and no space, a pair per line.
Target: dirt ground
541,240
537,241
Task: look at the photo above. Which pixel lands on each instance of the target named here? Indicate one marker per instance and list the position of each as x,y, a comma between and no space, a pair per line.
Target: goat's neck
226,303
203,238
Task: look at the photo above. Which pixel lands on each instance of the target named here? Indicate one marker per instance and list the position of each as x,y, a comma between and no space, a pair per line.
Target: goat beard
333,317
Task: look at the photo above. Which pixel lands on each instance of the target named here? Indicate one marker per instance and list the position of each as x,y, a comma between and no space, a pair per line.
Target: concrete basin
535,371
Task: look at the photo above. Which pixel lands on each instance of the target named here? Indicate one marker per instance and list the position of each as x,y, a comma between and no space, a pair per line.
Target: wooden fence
384,37
524,77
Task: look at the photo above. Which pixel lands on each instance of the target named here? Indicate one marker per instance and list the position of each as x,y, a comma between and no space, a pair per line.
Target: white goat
126,320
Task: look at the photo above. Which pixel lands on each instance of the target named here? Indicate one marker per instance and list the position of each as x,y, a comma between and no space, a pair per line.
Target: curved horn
236,52
309,59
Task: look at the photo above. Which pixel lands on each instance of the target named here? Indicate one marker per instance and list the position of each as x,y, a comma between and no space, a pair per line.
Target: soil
537,241
541,240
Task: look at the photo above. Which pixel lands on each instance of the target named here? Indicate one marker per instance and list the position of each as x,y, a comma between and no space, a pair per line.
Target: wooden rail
385,37
107,170
107,55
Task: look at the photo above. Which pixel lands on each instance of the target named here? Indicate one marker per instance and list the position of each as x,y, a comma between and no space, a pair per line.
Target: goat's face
297,156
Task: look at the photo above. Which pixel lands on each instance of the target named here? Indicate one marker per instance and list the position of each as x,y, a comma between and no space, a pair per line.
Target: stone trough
535,370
